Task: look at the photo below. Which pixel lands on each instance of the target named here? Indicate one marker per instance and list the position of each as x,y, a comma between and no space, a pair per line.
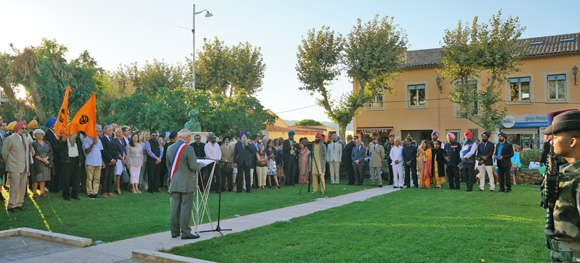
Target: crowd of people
122,160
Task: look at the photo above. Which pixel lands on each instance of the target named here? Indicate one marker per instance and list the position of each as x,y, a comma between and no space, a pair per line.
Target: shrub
529,156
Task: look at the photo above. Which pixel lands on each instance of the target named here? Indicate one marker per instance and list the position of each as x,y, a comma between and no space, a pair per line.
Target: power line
297,109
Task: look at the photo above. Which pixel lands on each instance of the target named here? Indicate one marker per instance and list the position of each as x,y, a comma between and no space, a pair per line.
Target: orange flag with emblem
86,119
62,118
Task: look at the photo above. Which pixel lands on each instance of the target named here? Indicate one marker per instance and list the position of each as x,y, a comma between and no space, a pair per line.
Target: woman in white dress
134,162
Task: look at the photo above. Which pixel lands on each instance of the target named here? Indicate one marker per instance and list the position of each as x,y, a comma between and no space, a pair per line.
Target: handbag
125,176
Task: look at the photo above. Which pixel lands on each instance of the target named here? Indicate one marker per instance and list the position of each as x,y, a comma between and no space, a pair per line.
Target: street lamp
575,72
207,14
438,80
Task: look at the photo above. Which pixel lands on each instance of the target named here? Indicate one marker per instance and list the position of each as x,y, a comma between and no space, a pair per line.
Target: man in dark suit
388,146
198,147
154,155
347,159
252,148
109,155
452,152
52,138
242,161
290,163
504,152
410,161
182,186
485,159
359,153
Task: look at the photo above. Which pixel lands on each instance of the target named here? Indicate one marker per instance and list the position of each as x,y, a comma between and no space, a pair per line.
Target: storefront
367,133
525,129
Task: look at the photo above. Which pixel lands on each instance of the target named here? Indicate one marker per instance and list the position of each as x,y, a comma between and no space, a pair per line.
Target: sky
123,31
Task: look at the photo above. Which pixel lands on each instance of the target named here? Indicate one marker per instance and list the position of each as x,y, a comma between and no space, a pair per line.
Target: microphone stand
218,228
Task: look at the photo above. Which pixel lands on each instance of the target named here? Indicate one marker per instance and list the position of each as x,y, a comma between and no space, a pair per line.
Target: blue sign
519,121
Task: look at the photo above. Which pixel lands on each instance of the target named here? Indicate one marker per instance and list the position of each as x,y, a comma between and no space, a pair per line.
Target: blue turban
242,133
290,133
50,123
434,134
10,121
485,133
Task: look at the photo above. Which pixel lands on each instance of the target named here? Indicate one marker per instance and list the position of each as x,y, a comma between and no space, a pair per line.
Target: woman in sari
425,158
303,163
438,168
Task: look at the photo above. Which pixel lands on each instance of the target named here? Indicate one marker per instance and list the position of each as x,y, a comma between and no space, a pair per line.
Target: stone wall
528,176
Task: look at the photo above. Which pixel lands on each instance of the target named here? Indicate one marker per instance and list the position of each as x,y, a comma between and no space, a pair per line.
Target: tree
308,122
45,73
152,77
468,51
168,111
372,55
229,70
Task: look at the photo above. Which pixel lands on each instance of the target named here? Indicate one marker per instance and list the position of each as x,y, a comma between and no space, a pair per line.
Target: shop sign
519,121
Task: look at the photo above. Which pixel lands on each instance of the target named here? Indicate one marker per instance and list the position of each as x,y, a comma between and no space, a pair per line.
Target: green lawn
131,215
411,225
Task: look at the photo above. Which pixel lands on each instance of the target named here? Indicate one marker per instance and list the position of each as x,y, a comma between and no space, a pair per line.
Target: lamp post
575,72
207,14
438,81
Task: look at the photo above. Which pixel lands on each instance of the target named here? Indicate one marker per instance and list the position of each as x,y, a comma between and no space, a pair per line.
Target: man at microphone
182,166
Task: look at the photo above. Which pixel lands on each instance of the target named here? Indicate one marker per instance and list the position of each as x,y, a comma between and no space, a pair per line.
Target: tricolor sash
176,157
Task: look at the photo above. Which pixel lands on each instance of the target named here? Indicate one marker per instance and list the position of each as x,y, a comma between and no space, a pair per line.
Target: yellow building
546,82
280,129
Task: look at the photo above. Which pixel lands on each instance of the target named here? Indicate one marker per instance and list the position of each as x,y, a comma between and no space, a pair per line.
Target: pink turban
451,135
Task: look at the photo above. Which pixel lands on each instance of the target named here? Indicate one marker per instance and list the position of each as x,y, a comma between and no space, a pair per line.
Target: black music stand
218,228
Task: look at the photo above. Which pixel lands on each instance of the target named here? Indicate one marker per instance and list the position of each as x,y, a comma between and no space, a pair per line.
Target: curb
156,256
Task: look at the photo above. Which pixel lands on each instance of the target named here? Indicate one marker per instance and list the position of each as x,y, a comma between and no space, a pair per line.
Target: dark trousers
71,178
107,178
54,185
153,171
227,178
216,181
453,174
389,177
290,170
83,178
243,172
358,173
181,204
162,175
411,171
505,182
349,170
467,169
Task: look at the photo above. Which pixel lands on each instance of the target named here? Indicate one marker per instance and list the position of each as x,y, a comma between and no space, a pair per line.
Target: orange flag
62,118
85,119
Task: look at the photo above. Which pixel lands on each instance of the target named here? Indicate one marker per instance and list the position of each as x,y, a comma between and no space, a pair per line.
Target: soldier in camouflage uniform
564,239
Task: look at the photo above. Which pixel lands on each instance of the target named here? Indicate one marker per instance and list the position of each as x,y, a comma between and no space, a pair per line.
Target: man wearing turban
467,155
15,153
52,138
452,149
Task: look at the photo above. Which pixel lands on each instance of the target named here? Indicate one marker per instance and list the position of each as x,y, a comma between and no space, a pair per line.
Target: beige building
280,129
546,82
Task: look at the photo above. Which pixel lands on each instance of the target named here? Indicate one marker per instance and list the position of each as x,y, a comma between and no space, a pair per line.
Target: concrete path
121,251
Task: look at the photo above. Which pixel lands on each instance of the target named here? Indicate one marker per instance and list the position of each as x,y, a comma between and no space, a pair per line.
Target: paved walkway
121,251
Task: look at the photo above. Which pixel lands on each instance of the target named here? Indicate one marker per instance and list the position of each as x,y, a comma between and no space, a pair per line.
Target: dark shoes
189,236
76,198
501,190
12,210
508,191
174,235
380,186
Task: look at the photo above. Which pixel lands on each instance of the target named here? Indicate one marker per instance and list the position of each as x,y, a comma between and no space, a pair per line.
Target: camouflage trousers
563,251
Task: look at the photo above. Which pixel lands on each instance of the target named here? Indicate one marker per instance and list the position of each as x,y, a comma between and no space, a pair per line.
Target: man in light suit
182,186
359,153
16,155
377,153
334,158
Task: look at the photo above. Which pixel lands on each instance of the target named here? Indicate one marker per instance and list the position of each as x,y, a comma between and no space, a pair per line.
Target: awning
373,129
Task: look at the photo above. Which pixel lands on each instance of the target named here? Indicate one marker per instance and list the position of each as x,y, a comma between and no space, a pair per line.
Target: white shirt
213,151
73,151
397,154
